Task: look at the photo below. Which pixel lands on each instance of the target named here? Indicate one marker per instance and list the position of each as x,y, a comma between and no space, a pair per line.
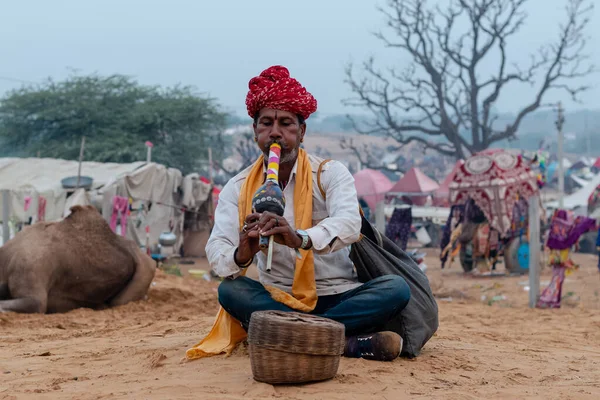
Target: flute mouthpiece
273,164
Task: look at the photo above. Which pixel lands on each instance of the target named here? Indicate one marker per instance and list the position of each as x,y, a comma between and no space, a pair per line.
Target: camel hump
79,208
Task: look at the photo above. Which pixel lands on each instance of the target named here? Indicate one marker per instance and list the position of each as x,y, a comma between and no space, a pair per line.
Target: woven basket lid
294,332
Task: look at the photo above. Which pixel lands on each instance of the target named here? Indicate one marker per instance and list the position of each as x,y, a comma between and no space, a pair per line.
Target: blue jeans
364,309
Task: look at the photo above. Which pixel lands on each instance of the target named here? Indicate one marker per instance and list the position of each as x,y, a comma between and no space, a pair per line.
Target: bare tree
447,105
322,152
374,156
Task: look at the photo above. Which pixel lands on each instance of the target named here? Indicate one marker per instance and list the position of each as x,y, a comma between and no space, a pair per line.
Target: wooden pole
80,161
534,250
380,217
5,216
210,178
561,173
210,170
588,136
149,146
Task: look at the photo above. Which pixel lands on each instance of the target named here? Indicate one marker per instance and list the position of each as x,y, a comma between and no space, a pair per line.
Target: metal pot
167,239
85,182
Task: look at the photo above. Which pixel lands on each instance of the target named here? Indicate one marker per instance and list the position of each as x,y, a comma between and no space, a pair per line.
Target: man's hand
272,224
249,240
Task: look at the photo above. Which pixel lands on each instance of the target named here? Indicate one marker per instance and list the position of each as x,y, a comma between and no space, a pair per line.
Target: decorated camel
53,267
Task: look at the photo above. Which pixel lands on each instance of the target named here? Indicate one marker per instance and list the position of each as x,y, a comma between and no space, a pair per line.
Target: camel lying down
53,267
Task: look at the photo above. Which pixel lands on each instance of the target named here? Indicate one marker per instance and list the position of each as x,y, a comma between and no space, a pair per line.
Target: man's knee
396,290
231,290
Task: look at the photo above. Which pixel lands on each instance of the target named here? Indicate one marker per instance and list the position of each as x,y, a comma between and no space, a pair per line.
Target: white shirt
336,225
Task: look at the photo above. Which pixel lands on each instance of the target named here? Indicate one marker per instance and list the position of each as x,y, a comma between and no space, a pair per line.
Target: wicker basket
290,347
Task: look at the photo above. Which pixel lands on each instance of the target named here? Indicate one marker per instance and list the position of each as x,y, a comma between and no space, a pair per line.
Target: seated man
323,281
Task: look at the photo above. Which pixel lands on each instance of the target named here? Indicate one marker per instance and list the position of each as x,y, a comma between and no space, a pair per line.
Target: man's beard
288,157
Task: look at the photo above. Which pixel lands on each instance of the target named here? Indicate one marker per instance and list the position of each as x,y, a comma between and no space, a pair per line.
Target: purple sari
565,230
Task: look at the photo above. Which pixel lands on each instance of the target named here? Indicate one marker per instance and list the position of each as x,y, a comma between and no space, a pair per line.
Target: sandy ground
483,349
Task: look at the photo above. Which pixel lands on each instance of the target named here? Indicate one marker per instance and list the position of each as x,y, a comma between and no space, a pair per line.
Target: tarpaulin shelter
494,179
199,201
371,185
153,190
581,199
416,185
215,190
32,178
583,162
552,170
156,202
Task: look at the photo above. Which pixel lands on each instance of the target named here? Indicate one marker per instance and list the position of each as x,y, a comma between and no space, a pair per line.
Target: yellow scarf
227,332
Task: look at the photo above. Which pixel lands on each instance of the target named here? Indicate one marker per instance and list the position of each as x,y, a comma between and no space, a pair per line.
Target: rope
180,208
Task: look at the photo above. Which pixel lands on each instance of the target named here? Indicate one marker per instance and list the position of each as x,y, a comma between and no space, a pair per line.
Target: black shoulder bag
375,255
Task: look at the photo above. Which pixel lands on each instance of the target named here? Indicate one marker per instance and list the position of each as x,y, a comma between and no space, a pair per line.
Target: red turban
274,88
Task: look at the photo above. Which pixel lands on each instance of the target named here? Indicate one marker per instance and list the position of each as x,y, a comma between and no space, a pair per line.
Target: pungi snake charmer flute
269,197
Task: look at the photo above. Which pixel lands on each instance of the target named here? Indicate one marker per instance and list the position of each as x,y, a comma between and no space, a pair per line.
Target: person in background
598,247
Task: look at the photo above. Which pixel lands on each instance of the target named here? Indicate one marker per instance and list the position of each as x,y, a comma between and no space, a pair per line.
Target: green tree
116,114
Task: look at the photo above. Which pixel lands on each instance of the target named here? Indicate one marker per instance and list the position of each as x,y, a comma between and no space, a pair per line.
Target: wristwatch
304,236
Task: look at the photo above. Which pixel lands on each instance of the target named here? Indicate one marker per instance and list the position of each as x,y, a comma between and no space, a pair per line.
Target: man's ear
302,132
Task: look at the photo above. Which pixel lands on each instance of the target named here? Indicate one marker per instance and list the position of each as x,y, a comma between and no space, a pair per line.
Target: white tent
198,200
580,181
436,214
566,164
35,177
156,202
150,186
578,200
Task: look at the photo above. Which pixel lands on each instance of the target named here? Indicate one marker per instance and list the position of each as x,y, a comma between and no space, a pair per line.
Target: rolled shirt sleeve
224,237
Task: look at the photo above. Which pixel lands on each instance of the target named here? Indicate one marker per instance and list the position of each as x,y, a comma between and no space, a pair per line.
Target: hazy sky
218,45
